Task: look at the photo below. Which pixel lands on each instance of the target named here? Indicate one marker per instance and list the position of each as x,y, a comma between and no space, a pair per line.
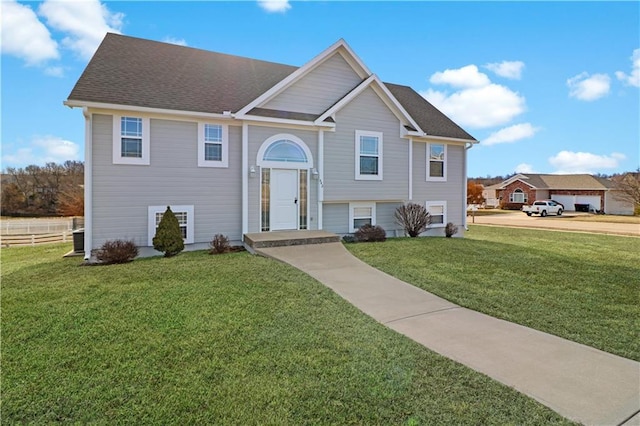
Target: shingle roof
132,71
578,181
428,117
137,72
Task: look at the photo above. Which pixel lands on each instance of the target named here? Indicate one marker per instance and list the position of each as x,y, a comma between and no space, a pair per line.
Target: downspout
320,176
88,184
468,146
410,169
245,179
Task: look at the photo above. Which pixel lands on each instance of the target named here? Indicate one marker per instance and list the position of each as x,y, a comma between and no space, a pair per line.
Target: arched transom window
284,151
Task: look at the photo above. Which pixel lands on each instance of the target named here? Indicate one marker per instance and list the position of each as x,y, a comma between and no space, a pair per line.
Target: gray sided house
236,145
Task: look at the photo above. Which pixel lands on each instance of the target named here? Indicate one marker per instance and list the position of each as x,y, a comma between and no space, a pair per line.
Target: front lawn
582,287
233,339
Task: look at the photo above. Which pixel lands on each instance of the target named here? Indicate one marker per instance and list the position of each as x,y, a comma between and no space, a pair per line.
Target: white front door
284,199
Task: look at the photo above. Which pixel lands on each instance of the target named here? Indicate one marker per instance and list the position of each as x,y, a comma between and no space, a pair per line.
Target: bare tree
627,187
414,218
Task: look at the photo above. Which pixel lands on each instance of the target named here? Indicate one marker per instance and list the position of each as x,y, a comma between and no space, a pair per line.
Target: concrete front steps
260,240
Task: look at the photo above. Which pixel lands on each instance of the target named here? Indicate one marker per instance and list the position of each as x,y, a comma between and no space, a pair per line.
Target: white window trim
430,204
151,221
444,165
145,160
224,162
357,157
353,206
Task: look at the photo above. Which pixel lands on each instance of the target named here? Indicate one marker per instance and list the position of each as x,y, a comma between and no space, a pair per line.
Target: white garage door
592,200
567,200
570,201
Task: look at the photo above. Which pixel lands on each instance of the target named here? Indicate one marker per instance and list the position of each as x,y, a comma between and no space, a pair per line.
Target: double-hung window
213,143
438,212
518,196
368,155
436,162
184,214
130,140
361,214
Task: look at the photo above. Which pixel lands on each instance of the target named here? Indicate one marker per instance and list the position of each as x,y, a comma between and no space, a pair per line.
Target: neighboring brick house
580,191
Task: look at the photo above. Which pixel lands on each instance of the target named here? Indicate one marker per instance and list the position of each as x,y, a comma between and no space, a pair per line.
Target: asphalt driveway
566,222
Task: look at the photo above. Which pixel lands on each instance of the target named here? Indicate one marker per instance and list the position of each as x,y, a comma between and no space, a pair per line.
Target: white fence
32,231
40,226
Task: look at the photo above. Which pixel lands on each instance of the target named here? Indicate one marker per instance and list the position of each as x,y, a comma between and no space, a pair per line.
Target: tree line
52,189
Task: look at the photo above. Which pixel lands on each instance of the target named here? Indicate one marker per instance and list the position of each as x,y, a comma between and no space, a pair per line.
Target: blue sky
546,87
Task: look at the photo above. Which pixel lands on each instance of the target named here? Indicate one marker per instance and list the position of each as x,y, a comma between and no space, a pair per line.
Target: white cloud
84,22
42,150
275,5
567,162
632,79
511,134
173,40
467,76
507,69
478,107
478,102
24,36
524,168
54,71
589,88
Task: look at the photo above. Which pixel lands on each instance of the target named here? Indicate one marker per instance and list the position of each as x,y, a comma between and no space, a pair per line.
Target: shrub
349,239
368,233
117,251
168,238
414,218
450,230
219,244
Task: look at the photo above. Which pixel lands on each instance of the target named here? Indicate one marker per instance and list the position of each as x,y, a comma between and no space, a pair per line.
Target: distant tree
168,238
37,190
12,198
628,188
414,218
474,193
71,201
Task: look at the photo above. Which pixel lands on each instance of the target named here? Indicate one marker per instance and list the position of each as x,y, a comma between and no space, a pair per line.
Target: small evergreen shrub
450,230
349,239
219,244
168,238
414,218
117,251
368,233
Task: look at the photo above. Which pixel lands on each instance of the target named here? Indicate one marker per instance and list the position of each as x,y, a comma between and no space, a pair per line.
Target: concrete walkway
577,381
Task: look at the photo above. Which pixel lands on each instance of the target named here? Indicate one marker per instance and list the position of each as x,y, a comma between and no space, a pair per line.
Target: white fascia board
386,97
345,100
422,137
148,110
279,121
304,70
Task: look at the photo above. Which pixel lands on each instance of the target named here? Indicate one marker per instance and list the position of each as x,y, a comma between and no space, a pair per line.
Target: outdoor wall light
314,173
252,171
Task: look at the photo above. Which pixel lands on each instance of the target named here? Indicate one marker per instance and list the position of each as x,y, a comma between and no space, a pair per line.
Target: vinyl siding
319,89
449,191
336,218
366,112
257,135
122,193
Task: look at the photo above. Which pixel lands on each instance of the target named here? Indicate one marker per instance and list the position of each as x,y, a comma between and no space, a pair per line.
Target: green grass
233,339
582,287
